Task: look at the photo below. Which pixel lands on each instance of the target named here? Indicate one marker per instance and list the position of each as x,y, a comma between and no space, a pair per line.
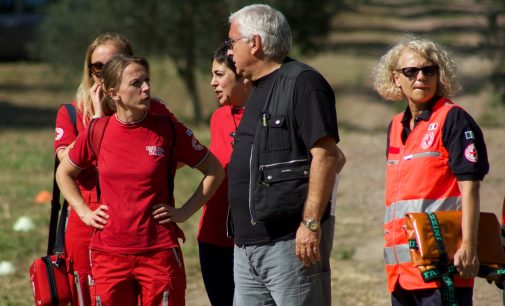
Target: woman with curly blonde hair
436,158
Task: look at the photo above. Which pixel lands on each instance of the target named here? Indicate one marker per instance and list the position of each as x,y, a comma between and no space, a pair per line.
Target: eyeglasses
230,43
411,72
96,69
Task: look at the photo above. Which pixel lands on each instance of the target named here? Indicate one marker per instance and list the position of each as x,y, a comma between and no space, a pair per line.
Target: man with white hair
283,168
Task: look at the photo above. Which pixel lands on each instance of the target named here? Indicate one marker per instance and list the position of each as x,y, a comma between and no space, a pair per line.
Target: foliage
185,31
495,41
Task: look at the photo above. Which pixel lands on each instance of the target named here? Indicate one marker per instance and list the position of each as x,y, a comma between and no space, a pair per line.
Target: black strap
443,270
55,210
95,135
172,164
56,237
72,115
435,227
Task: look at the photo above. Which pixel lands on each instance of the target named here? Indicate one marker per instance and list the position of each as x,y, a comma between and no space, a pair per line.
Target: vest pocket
277,135
282,190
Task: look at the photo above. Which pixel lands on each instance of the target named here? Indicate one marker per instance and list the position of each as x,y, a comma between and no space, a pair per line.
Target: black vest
280,161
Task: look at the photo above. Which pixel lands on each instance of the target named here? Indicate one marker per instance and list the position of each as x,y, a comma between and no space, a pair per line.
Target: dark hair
221,56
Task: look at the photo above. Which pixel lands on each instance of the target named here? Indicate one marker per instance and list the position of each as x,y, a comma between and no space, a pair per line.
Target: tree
185,31
495,42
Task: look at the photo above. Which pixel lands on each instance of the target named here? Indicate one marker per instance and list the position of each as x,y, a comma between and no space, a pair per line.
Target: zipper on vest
253,219
283,163
263,167
400,165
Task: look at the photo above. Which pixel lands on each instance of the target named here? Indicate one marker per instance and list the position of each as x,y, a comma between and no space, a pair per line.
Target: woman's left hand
166,214
466,261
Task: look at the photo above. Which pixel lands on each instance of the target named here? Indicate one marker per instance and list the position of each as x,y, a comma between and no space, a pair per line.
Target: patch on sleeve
471,153
197,146
189,132
469,135
59,133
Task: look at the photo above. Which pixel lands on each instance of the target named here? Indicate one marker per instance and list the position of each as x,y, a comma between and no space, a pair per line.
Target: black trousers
428,297
216,263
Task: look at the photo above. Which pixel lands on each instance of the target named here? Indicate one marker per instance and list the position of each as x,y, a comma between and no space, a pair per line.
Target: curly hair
447,83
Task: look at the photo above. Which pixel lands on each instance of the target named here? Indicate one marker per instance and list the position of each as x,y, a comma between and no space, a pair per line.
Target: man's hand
307,245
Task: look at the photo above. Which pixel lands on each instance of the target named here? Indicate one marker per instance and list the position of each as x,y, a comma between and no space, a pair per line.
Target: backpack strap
72,113
56,237
95,135
172,164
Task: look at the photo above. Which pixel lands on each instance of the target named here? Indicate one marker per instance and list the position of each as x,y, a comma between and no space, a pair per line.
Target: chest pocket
276,135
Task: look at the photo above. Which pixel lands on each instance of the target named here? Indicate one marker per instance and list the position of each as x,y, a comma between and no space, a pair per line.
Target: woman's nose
213,82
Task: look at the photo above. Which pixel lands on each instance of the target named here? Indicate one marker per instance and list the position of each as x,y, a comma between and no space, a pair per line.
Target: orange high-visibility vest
418,179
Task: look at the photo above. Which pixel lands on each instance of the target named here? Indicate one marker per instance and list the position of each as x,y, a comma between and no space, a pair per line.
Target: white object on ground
6,267
24,224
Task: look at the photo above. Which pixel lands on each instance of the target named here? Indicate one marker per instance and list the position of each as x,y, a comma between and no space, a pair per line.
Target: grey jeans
271,274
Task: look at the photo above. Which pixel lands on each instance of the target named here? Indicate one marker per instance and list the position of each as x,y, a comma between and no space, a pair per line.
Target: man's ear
257,46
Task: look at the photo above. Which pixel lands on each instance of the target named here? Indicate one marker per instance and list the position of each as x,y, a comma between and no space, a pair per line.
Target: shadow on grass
25,117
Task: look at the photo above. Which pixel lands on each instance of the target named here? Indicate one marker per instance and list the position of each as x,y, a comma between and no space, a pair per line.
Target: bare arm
213,176
61,153
327,160
65,177
465,259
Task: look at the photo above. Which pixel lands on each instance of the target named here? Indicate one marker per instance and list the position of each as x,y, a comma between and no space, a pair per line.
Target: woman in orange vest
436,158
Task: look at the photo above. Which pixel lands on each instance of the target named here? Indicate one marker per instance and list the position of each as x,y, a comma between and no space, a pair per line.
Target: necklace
234,109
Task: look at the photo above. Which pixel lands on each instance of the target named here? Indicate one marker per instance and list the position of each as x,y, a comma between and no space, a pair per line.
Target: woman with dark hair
215,244
134,249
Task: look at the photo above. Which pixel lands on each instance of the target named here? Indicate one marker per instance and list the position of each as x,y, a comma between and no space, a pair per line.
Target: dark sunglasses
412,72
96,69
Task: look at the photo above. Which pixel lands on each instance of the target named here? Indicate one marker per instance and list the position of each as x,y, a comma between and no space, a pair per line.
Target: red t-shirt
132,163
223,123
65,134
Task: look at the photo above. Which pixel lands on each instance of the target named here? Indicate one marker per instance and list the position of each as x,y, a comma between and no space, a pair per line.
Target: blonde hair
447,83
84,103
113,72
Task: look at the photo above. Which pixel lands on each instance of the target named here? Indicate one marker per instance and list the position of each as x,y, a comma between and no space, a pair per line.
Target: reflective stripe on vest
400,208
423,154
418,179
397,254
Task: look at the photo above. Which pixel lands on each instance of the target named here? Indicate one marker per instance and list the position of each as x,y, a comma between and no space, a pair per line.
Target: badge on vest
432,126
428,139
469,135
471,153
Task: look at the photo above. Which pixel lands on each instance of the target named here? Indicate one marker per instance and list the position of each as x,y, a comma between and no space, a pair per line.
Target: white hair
269,24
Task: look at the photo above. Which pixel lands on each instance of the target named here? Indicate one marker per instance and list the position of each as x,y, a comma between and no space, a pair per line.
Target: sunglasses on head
411,72
96,69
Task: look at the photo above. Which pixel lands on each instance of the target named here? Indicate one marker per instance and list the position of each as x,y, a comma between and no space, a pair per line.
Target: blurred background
42,47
